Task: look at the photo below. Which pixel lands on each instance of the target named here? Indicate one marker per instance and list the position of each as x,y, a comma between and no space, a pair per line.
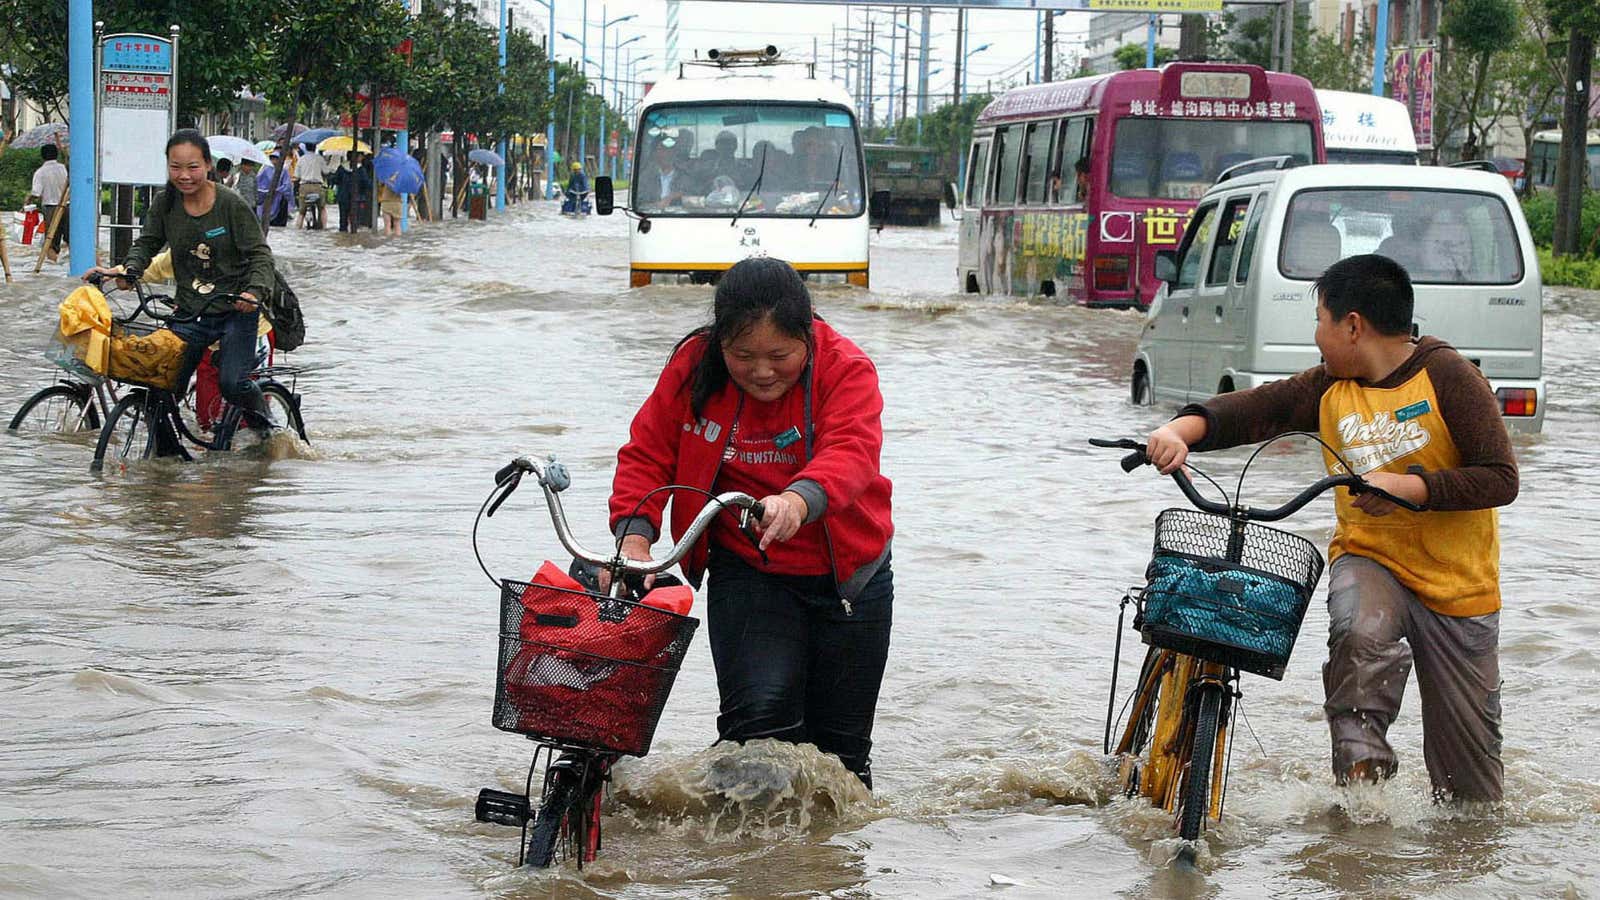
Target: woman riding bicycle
771,401
223,266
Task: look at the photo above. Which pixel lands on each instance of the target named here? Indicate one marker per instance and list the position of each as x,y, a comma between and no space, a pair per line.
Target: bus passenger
662,184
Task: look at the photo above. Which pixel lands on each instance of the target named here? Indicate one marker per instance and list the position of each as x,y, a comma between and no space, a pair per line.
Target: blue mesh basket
1244,613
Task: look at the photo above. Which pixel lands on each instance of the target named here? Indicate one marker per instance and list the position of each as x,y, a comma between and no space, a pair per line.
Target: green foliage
1540,211
325,52
16,176
1569,271
947,130
1581,16
1132,56
1325,61
1480,27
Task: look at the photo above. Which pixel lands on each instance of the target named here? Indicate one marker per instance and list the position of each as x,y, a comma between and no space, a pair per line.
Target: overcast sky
793,27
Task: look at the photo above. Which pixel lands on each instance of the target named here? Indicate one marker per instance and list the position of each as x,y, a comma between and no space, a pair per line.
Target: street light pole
500,170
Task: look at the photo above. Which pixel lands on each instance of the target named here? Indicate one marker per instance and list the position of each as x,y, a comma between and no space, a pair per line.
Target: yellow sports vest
1450,560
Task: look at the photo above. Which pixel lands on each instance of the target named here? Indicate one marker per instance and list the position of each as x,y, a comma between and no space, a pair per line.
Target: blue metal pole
1150,43
403,141
500,170
1380,48
550,124
82,229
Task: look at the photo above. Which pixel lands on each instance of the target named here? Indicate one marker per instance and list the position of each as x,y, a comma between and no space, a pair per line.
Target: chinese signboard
137,105
1156,6
393,114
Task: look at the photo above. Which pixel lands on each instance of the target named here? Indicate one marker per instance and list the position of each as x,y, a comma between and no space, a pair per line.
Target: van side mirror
1167,266
949,195
878,205
605,198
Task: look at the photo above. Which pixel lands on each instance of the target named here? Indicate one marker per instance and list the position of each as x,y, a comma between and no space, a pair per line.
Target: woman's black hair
756,289
193,138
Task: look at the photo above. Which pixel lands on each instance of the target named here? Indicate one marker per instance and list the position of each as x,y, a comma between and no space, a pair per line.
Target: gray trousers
1458,674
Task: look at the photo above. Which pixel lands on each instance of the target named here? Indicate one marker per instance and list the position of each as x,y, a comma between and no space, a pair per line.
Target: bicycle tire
78,399
130,419
282,405
1196,798
561,798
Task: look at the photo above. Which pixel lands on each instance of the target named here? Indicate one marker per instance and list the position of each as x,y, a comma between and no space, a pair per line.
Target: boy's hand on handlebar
1166,449
1406,487
785,513
635,547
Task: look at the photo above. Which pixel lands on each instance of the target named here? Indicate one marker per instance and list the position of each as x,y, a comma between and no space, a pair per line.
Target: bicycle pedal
502,808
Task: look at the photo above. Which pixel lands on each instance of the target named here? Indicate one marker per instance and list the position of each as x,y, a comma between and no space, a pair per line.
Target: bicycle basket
145,355
69,353
1245,614
583,670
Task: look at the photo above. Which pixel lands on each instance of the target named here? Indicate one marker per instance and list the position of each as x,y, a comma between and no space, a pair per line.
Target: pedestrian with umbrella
276,201
397,174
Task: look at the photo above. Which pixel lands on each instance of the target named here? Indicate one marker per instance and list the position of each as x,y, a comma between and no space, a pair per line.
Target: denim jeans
791,664
235,358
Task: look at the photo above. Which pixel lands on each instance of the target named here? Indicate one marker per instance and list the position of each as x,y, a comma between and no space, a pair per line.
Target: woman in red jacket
771,401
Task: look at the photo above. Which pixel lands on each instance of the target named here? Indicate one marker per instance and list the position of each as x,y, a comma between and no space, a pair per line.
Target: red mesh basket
582,670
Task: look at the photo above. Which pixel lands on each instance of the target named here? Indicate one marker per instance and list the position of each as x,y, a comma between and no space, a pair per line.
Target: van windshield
1178,159
703,159
1440,236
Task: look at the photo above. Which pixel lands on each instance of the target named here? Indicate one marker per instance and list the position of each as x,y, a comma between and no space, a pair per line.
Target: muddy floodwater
273,675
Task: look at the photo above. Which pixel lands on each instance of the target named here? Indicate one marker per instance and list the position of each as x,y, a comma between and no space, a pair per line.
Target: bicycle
148,421
1224,595
583,673
77,403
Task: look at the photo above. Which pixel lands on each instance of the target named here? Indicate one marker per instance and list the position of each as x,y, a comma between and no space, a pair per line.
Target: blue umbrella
487,157
315,136
391,169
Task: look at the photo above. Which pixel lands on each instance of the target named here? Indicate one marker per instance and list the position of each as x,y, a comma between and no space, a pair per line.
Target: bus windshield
704,159
1178,159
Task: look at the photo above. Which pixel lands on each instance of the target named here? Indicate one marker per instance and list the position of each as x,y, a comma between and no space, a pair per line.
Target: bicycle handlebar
1355,483
145,297
553,479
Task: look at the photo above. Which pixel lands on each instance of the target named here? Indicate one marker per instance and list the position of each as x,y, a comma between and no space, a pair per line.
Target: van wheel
1225,386
1140,393
972,282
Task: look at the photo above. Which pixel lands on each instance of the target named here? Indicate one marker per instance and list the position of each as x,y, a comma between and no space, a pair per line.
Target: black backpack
283,311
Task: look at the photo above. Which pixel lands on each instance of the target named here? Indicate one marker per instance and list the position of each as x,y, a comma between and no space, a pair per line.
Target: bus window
1247,249
1177,159
1229,229
1069,149
1195,240
1007,149
977,165
1038,156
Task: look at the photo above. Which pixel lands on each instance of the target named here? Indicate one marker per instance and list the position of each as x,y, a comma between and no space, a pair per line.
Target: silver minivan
1236,307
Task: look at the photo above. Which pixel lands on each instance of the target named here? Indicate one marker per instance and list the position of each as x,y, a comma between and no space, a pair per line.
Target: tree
1480,28
1580,20
1325,60
1132,56
217,51
325,53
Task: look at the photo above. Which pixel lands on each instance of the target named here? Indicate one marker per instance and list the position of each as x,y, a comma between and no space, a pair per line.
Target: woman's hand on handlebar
247,302
785,513
635,547
1406,487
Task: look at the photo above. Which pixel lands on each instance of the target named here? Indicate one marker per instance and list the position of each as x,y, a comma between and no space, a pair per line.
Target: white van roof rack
1254,165
719,58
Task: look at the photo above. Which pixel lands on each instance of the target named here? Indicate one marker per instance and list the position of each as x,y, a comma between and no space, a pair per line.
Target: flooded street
274,677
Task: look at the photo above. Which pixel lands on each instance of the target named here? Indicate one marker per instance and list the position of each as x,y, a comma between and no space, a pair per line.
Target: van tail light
1111,273
1518,401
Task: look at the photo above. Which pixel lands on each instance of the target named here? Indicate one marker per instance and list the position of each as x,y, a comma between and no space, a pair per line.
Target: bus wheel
1140,393
1047,288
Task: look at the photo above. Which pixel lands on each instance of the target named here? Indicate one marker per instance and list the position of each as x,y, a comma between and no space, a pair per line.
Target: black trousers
791,664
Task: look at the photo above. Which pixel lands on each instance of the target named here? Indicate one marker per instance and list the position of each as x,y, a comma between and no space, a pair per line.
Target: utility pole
872,68
961,52
1049,45
922,65
905,68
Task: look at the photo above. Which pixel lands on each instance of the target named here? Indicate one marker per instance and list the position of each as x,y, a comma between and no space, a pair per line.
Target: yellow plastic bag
150,359
85,327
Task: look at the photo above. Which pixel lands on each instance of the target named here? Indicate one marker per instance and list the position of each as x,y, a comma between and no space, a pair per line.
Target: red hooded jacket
839,477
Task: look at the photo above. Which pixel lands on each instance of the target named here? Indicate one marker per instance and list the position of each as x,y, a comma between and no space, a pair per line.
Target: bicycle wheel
233,434
1196,799
58,409
128,433
561,799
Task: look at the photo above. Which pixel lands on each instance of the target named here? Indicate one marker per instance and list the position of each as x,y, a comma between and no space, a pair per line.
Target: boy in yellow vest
1418,420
